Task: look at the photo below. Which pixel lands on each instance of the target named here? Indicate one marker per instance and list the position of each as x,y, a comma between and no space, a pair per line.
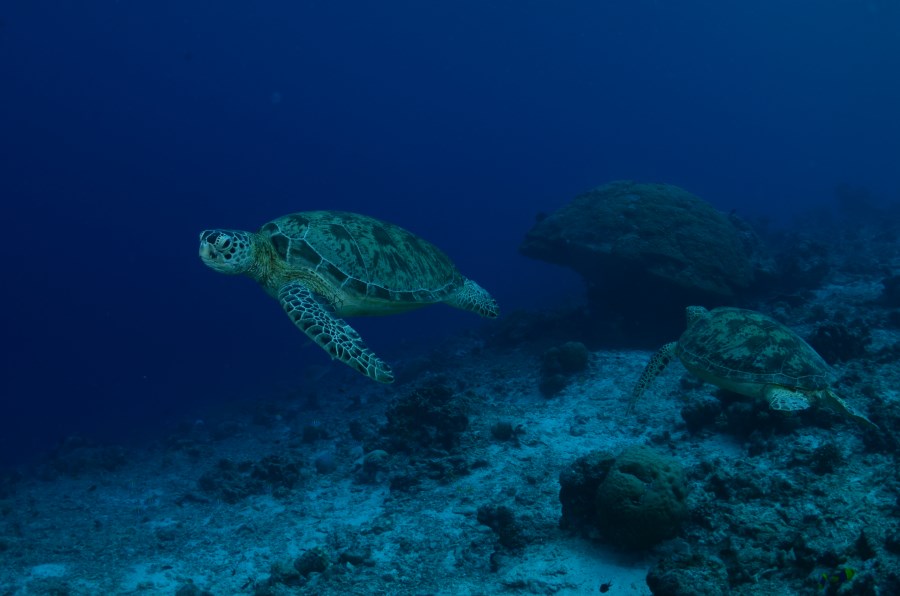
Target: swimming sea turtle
749,353
324,265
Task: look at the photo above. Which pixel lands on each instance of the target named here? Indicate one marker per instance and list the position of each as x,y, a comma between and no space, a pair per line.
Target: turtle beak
208,245
208,252
222,251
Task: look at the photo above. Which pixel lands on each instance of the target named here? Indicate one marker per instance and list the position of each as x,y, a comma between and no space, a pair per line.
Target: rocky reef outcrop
647,248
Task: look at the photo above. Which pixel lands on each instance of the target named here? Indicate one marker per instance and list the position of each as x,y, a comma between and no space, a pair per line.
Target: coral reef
431,416
802,263
559,364
315,560
502,521
701,413
433,485
890,294
232,481
840,342
77,455
688,575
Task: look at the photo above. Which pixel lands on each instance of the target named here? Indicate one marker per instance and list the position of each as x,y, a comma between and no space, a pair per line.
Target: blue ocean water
128,127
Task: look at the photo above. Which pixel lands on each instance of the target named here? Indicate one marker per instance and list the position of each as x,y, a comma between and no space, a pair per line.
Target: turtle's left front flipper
658,363
334,335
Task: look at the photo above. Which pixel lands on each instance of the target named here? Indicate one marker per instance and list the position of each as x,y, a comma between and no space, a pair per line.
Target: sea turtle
324,265
746,352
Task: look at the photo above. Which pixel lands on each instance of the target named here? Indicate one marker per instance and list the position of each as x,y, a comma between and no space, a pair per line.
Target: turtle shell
743,346
363,256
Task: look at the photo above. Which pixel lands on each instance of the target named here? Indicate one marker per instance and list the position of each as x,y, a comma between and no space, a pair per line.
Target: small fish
836,579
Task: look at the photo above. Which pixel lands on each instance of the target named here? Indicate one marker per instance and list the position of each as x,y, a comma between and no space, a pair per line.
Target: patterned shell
746,346
364,256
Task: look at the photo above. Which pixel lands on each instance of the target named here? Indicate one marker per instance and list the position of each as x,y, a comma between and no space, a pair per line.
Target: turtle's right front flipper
331,333
658,363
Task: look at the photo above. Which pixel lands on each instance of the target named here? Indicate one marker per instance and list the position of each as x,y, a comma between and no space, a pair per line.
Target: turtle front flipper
784,399
331,333
658,363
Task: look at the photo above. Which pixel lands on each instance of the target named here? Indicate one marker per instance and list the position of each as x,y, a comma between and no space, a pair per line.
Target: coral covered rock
645,243
688,575
432,416
558,364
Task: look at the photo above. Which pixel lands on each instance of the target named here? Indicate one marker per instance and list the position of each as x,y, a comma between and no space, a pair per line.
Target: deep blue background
127,127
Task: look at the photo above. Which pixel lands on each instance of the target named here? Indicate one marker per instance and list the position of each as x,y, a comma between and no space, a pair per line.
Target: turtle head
227,251
694,314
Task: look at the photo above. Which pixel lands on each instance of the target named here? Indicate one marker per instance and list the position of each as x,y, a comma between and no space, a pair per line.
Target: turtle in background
325,265
746,352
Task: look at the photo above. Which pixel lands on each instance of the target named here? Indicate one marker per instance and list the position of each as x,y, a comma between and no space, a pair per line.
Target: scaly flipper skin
331,333
474,298
784,399
658,363
832,399
787,400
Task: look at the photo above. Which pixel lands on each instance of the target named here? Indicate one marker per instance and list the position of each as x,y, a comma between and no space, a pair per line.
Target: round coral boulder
642,500
633,500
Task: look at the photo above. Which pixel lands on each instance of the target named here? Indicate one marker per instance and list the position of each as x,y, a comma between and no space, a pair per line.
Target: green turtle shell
745,346
364,257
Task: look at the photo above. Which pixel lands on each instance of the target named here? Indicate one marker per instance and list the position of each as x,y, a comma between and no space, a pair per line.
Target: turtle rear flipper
474,298
658,363
332,334
835,401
